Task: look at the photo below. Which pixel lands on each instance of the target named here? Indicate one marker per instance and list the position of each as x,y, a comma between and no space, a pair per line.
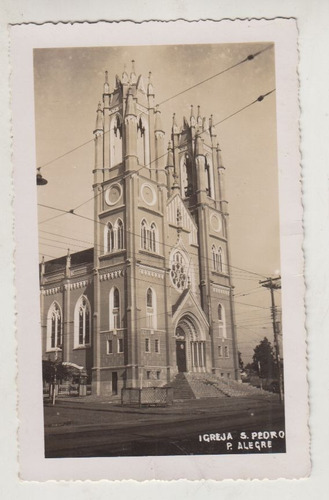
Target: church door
181,355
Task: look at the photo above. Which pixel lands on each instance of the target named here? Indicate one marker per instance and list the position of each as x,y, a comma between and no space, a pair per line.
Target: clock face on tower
113,194
148,194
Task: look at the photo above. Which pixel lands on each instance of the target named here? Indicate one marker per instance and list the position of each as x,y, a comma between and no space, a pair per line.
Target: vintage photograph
159,250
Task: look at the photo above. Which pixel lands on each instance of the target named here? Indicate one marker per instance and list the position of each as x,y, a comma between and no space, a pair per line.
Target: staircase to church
206,385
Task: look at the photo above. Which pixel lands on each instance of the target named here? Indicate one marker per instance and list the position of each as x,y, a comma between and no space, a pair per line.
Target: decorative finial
192,111
106,76
133,66
99,108
150,76
198,111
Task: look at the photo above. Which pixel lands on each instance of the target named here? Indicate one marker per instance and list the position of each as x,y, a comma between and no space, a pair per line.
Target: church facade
153,297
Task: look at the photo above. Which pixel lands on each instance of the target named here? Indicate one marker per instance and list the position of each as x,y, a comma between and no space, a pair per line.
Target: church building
153,297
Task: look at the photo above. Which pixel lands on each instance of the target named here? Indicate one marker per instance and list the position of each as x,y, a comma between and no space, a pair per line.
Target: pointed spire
175,128
192,117
125,76
99,119
133,78
212,129
106,83
199,117
131,104
117,81
68,262
170,155
150,89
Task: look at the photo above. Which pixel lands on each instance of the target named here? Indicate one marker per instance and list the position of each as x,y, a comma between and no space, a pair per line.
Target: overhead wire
250,57
235,268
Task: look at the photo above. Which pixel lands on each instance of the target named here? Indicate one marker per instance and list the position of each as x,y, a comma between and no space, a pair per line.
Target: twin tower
162,295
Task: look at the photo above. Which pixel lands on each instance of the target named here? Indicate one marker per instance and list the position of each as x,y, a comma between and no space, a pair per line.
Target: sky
68,87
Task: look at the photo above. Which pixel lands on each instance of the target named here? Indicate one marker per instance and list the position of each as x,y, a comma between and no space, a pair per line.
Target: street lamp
41,181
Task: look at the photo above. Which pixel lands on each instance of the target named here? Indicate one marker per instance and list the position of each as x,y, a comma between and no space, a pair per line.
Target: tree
264,360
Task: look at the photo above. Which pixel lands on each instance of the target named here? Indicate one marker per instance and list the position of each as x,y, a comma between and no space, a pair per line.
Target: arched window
119,228
152,238
220,260
149,298
110,237
151,316
217,259
82,322
114,309
214,257
144,234
54,327
114,236
221,321
116,140
149,236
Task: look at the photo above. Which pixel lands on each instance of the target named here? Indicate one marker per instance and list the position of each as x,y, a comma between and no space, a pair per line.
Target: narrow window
153,237
220,351
214,259
220,312
158,375
53,331
114,305
156,345
149,298
82,322
120,345
54,327
148,375
87,327
144,235
151,320
120,234
220,260
110,238
110,346
147,345
226,353
81,318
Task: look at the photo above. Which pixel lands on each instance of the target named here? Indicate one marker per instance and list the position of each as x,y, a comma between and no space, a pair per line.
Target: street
77,428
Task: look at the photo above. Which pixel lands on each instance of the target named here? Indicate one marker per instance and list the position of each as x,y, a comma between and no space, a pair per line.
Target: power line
250,57
246,59
235,268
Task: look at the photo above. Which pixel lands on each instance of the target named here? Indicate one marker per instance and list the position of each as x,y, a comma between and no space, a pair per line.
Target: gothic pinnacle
106,83
133,78
99,119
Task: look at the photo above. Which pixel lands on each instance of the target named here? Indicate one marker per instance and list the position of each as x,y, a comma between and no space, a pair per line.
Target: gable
187,303
187,223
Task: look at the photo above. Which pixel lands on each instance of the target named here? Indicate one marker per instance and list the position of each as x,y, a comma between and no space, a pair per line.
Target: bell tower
194,158
130,188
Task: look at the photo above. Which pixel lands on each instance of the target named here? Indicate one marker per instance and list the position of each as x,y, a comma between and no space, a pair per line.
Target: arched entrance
190,346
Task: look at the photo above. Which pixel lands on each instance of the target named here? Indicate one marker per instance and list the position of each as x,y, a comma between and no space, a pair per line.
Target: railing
148,396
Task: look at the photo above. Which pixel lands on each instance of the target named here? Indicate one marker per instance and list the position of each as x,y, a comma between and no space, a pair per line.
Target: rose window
178,272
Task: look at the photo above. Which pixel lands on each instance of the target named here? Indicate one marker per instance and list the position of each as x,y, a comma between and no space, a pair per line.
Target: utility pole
275,284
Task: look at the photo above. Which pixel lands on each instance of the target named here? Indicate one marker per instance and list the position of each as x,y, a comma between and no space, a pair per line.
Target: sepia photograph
161,273
159,250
